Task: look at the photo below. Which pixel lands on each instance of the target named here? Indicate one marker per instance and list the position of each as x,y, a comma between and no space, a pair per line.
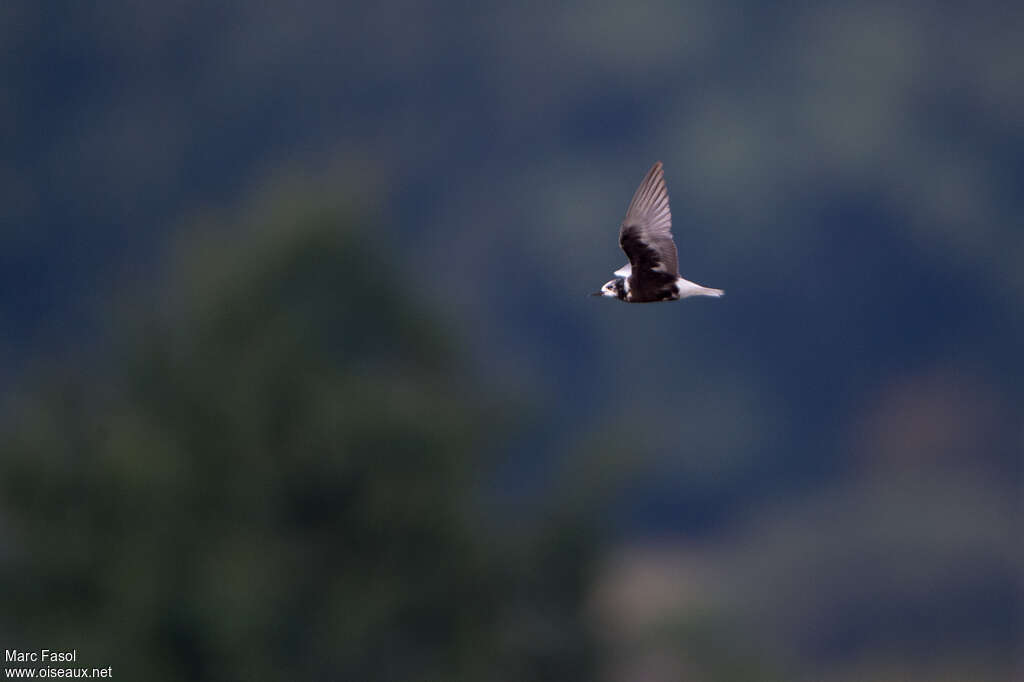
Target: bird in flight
652,273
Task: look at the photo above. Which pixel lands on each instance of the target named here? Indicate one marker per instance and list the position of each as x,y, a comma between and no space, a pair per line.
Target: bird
652,273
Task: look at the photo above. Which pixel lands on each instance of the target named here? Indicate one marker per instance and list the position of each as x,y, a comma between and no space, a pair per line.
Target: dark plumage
646,238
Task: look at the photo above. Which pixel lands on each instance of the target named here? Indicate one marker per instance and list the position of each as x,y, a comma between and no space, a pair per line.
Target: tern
652,273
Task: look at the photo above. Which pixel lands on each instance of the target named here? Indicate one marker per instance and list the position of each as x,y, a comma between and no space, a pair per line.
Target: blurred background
299,378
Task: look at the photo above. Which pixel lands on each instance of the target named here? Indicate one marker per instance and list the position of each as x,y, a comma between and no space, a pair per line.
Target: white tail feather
688,288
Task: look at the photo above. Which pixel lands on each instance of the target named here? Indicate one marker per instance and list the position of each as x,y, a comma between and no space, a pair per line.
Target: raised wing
646,233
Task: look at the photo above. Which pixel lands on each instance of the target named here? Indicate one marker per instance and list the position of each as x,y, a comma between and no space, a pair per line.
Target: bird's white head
612,288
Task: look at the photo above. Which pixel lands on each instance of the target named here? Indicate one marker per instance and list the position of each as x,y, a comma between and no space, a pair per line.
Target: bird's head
612,288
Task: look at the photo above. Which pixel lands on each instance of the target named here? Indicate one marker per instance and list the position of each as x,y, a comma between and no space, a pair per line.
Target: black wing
646,233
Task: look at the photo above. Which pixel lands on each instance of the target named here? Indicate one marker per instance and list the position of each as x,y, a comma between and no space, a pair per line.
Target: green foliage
276,486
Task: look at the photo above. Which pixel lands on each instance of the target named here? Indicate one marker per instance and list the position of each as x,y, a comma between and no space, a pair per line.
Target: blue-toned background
300,378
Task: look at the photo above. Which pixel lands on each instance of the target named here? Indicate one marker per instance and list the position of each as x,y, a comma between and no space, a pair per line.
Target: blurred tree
278,485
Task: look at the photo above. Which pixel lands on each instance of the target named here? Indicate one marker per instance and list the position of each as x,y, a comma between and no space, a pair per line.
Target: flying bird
652,273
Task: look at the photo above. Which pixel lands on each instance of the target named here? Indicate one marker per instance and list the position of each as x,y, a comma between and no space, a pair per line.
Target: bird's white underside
685,287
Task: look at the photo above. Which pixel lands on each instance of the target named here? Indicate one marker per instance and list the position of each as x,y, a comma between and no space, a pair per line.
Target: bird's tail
688,288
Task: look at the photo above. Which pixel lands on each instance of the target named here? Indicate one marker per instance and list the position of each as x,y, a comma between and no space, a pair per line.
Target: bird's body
652,273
